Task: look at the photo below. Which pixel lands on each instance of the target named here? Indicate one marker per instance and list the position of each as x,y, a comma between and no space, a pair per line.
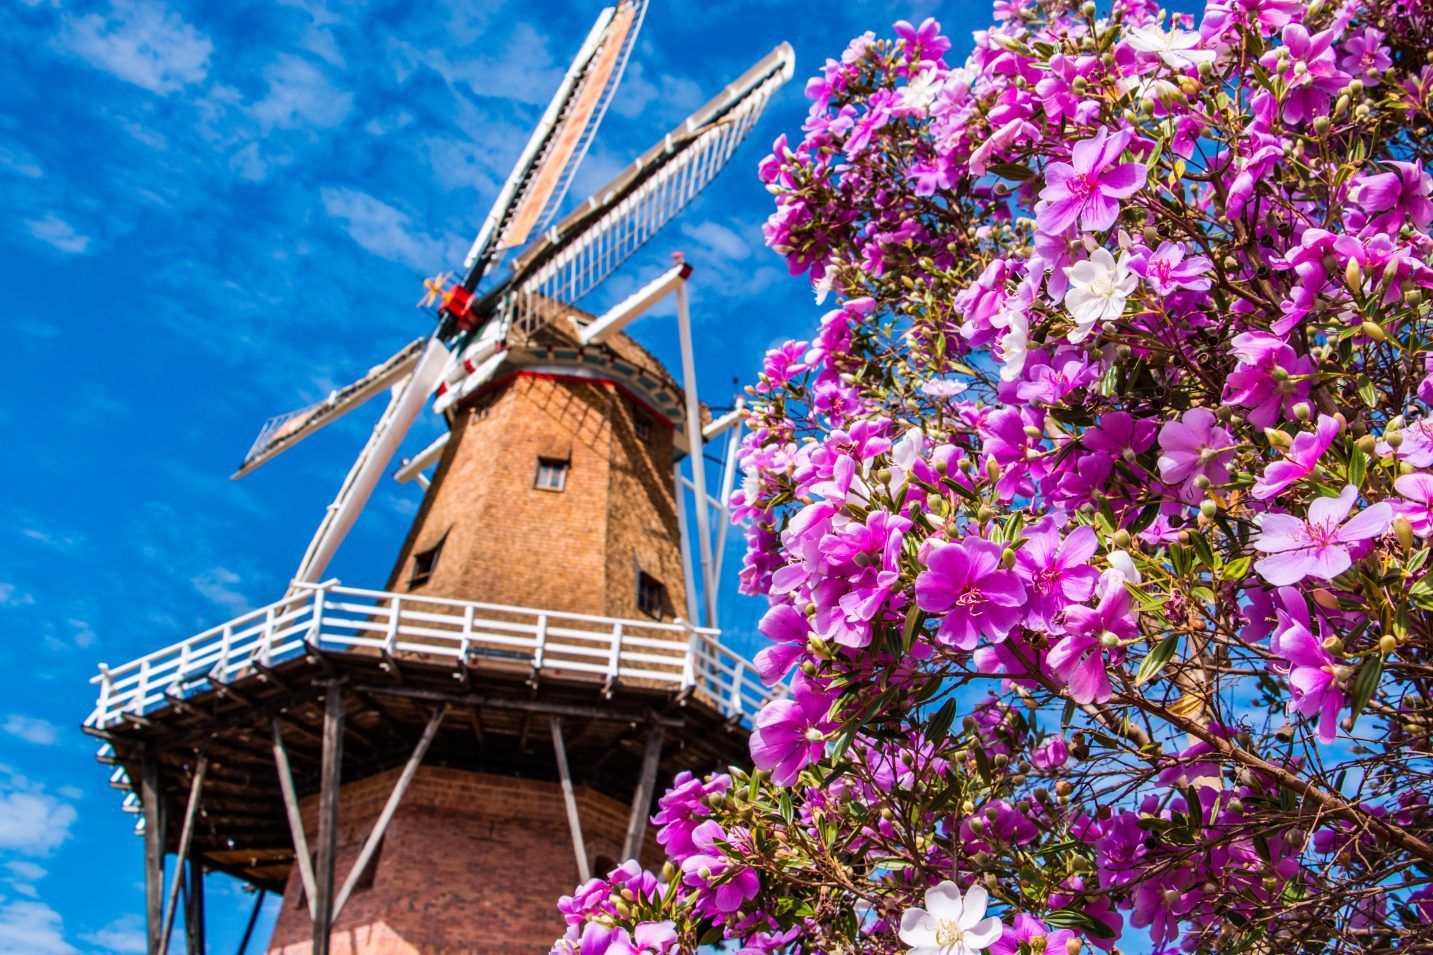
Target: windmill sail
282,432
583,249
543,173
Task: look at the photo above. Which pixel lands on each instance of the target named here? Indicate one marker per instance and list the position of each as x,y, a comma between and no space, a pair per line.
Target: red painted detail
442,389
686,271
458,302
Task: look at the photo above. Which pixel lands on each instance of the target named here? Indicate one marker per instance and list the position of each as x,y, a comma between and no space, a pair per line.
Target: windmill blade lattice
586,247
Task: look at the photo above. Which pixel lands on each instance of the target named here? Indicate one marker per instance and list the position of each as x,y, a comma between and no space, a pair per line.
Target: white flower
1177,48
1013,346
949,924
1099,287
822,286
920,91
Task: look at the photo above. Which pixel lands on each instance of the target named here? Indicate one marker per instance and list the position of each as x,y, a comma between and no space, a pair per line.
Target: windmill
241,747
563,264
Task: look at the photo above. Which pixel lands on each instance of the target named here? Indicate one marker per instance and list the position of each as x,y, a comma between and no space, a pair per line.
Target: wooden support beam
574,822
332,778
296,822
194,911
542,707
370,845
642,798
153,850
181,858
253,920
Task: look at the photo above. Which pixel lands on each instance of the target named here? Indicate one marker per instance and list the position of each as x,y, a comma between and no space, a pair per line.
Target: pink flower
1079,658
1299,461
1027,928
1086,189
1396,195
1193,447
978,597
1167,270
1418,489
791,734
1313,672
1319,546
1267,378
1057,571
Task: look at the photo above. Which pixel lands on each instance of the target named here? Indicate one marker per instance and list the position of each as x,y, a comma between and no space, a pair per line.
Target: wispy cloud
29,927
300,94
141,42
220,586
55,231
383,230
31,729
124,935
32,822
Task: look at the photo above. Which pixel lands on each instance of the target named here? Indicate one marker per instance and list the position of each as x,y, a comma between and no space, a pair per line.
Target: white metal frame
328,617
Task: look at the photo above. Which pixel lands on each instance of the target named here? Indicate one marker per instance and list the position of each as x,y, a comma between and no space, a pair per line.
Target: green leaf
1367,392
1156,659
1200,545
1073,918
1012,171
915,617
1236,569
1366,682
1357,468
1421,593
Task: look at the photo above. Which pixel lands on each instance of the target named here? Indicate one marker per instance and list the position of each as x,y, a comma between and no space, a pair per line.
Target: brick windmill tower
426,767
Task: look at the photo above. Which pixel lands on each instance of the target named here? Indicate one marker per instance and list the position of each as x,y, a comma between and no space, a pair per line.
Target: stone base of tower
471,864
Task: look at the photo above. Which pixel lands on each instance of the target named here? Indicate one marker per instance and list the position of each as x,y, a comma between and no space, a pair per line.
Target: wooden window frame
559,466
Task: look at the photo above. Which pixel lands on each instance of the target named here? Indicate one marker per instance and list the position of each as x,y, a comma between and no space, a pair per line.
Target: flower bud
1387,644
1209,508
1302,411
1321,125
1394,439
992,470
1007,557
1073,946
1343,674
1121,539
1202,481
1375,331
1325,599
1353,274
1333,645
1403,530
1064,787
1366,444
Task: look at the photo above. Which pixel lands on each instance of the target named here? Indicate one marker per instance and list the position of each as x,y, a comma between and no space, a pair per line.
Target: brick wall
506,541
471,864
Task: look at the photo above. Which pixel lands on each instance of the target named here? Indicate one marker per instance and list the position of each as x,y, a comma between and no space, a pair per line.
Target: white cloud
124,935
31,729
58,233
32,928
33,822
300,94
724,242
10,597
217,585
142,43
28,871
383,230
21,161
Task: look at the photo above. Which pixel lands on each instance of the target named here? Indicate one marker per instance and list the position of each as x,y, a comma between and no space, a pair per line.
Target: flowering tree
1094,520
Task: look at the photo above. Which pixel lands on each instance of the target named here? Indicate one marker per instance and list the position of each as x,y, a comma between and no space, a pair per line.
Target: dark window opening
423,564
551,475
642,425
365,881
651,595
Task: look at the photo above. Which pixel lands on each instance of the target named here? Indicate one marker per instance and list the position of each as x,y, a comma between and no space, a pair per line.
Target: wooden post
331,779
370,845
296,822
194,912
186,835
574,822
642,798
153,850
253,920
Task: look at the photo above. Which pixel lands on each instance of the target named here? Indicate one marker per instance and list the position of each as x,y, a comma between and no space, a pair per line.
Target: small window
642,425
551,475
651,595
423,564
365,881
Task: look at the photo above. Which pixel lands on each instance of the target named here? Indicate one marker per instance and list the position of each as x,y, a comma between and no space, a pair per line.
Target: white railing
328,617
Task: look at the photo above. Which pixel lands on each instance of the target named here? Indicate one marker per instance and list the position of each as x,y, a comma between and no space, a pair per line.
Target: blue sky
216,212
